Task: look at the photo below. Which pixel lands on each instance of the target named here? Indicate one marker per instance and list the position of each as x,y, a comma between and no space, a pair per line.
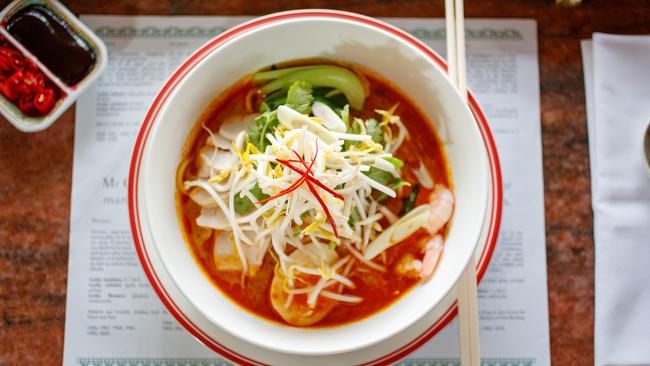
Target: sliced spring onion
398,231
330,119
294,119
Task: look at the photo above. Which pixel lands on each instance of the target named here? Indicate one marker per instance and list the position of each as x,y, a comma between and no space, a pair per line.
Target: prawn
432,252
441,207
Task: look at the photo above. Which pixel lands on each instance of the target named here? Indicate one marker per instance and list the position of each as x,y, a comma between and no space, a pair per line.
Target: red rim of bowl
196,58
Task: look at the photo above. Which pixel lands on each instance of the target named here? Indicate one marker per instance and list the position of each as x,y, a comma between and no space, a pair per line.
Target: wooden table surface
35,171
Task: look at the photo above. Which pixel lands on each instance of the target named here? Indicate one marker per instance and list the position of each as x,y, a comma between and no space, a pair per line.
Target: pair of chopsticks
470,353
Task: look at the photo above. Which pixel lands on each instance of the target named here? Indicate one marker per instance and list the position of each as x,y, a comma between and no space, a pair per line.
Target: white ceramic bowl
276,38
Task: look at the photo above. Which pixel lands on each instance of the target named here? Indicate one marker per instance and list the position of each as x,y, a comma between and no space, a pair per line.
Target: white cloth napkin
617,79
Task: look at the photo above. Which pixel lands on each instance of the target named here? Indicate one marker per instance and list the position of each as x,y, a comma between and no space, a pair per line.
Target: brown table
35,171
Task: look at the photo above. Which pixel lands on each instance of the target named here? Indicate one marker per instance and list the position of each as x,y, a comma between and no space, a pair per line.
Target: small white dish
258,43
646,148
69,93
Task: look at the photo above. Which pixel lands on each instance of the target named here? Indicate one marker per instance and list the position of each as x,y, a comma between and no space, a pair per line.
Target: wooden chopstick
470,353
452,66
460,50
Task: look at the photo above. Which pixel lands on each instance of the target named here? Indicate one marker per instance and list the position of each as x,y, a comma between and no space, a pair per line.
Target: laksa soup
314,194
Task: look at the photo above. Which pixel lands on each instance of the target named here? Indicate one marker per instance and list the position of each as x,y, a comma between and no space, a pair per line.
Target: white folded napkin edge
617,95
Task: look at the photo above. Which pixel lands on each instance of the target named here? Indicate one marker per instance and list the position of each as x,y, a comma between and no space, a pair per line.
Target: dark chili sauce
53,41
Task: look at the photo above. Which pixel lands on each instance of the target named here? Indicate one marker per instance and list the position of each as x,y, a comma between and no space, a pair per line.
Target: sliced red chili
29,65
6,64
31,81
26,105
23,82
20,84
10,52
44,100
40,81
9,90
17,61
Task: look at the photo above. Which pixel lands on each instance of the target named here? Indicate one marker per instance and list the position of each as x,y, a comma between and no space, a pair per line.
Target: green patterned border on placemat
438,34
157,32
124,361
456,362
117,361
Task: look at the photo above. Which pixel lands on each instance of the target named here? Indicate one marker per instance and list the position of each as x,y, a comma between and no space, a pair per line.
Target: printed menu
113,316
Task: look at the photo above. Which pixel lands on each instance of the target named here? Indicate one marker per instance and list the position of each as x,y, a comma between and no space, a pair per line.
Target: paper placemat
114,317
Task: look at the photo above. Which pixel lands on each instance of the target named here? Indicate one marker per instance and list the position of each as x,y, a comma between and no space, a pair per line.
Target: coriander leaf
299,97
375,131
243,204
381,176
397,163
409,202
264,123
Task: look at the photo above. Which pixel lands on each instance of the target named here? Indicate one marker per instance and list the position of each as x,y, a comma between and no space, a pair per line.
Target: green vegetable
375,131
333,93
265,76
274,100
345,115
398,183
299,97
335,101
379,175
331,245
355,217
372,128
397,163
257,131
296,230
395,184
327,76
355,129
243,204
409,202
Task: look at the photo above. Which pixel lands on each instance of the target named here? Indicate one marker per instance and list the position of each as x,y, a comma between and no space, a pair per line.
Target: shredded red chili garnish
324,206
295,185
24,84
287,163
307,177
